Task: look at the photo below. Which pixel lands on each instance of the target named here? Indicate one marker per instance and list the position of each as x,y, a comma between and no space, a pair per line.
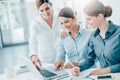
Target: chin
93,26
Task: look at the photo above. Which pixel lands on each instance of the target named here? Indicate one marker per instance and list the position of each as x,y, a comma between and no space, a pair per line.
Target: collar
110,30
80,31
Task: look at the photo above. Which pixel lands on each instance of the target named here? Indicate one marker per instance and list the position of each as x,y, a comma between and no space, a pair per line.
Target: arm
33,45
61,54
33,39
116,67
89,61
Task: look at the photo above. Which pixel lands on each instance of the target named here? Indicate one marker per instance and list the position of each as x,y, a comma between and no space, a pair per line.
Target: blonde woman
104,43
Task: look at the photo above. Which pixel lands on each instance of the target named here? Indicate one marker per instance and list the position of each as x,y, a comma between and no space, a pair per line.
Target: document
83,75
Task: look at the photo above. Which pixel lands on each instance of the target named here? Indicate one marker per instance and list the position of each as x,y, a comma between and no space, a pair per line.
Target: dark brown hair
95,7
66,12
40,2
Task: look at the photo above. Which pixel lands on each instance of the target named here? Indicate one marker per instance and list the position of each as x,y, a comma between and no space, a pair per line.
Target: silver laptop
43,73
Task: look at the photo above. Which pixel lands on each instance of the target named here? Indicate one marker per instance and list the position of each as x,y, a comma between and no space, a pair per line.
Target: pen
71,64
62,77
89,77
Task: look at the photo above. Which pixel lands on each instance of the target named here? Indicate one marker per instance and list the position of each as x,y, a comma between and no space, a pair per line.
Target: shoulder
36,22
117,28
86,32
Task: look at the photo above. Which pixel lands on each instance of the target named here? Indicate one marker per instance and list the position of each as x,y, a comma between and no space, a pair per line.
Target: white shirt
42,41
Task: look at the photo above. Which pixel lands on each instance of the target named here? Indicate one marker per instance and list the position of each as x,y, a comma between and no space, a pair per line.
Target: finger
61,66
36,63
75,74
57,66
33,62
76,71
68,65
39,62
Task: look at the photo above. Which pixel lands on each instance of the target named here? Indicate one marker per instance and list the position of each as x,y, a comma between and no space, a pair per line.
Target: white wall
115,4
32,11
79,5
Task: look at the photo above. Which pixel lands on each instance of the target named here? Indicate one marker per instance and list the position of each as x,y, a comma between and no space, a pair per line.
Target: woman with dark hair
75,42
104,43
44,31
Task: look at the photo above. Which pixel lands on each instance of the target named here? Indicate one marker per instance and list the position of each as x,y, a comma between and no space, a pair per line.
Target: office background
15,17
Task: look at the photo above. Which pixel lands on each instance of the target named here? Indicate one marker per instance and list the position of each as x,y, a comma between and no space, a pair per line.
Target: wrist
107,70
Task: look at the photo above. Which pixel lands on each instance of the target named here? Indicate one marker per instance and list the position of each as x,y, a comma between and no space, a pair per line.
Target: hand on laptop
75,71
59,64
36,61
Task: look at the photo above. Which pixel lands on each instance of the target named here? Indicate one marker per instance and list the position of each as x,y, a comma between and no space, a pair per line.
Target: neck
49,22
74,31
103,28
48,19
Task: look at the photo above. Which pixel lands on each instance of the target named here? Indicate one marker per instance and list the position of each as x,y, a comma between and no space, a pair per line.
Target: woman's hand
75,71
71,64
59,64
36,61
63,34
101,71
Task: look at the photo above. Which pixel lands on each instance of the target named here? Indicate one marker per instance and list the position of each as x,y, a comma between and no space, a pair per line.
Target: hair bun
108,11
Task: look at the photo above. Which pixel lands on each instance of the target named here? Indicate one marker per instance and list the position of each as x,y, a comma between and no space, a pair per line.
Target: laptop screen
46,73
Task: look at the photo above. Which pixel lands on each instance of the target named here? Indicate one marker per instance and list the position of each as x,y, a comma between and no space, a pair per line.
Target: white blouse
42,41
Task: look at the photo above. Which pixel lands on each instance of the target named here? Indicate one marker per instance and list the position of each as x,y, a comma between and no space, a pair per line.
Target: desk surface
29,76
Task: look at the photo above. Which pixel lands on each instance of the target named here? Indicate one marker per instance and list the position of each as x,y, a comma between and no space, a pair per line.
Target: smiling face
94,21
46,11
67,23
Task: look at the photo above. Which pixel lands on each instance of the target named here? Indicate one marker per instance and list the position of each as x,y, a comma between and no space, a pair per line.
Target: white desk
29,76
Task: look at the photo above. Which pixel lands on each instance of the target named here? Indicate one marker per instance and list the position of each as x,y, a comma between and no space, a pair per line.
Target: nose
87,21
64,25
45,12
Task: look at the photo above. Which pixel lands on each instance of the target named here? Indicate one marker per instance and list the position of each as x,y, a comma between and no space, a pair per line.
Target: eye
47,8
66,21
41,10
61,23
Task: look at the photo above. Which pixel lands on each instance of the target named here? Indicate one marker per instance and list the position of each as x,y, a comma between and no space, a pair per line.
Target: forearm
85,65
33,46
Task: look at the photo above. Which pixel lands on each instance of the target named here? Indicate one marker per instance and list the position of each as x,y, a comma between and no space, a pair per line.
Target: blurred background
16,15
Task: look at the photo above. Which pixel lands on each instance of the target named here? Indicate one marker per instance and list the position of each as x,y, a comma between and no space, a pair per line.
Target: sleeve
61,53
89,61
116,67
33,39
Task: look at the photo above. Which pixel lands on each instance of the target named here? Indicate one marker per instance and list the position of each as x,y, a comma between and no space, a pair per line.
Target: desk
29,76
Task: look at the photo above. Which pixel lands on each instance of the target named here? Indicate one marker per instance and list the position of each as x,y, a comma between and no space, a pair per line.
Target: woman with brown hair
74,44
104,43
44,31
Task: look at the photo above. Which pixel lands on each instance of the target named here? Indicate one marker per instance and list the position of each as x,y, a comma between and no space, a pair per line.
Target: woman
74,43
43,33
104,43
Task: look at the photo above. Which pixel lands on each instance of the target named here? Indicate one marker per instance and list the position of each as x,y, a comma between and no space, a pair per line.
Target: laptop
43,73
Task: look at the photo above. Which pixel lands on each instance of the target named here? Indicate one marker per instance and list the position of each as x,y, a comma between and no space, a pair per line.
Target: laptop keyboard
47,73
